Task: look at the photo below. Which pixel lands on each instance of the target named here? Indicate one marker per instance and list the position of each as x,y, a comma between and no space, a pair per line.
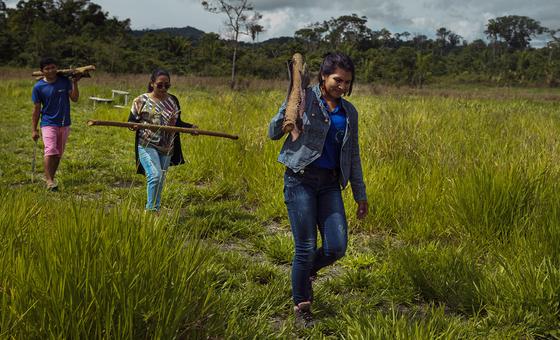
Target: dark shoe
152,212
53,187
303,315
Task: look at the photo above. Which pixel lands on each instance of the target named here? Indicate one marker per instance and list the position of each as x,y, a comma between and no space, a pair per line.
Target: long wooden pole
155,127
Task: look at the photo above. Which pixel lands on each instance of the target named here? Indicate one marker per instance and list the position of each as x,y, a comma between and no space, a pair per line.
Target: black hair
157,72
334,60
46,61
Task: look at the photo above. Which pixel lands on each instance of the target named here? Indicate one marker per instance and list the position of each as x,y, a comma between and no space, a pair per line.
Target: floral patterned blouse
158,112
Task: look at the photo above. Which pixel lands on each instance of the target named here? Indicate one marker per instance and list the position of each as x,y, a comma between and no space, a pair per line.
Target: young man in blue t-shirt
51,97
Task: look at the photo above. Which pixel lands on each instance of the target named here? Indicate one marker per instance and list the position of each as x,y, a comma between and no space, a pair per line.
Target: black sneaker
52,187
303,315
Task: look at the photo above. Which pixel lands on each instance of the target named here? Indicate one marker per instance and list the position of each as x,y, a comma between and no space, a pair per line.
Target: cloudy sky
283,17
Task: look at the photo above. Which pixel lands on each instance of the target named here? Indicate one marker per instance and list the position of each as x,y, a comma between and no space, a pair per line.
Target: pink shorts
54,138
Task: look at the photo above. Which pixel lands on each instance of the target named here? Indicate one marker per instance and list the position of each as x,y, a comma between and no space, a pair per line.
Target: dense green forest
79,32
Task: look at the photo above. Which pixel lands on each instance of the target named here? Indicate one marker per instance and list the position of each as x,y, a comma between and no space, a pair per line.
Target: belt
310,169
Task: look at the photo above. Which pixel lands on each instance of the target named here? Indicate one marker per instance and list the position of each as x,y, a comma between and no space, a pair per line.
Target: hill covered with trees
188,32
80,32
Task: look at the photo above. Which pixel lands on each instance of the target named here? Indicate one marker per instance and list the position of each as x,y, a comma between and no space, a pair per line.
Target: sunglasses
163,85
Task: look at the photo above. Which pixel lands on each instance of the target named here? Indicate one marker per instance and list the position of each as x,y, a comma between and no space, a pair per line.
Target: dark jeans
314,202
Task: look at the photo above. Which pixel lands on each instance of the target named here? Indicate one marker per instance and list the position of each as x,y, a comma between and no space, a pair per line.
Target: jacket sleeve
356,173
179,122
275,127
133,118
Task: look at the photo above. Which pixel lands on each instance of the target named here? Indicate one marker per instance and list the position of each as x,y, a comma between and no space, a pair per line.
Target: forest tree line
79,32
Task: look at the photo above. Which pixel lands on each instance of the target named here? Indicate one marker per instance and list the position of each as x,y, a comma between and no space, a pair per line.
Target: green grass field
462,240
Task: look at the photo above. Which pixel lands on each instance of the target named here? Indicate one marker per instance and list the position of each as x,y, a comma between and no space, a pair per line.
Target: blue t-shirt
330,157
55,101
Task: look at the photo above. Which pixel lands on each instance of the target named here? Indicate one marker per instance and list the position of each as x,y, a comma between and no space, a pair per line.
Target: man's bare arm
75,92
35,121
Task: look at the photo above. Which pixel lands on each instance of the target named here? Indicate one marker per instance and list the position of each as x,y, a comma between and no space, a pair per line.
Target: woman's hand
362,211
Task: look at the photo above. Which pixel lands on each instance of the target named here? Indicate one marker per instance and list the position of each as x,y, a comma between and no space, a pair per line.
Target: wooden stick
155,127
33,162
82,71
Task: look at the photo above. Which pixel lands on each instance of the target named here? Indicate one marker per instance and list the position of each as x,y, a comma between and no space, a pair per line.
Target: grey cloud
477,5
386,14
270,5
532,9
375,8
465,17
378,12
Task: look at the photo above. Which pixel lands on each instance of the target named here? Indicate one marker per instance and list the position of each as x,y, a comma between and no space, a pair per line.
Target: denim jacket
298,154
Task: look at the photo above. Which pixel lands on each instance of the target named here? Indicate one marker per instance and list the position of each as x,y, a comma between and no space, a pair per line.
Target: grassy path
462,240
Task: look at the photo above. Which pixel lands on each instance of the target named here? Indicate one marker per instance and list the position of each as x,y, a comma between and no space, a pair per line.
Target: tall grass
461,241
75,270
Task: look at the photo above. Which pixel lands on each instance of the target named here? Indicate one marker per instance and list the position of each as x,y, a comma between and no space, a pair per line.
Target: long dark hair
334,60
157,72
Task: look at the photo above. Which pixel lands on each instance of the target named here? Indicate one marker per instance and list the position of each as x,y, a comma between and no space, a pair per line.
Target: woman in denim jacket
319,163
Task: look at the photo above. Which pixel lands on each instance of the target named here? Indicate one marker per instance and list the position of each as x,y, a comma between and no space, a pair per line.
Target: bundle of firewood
82,72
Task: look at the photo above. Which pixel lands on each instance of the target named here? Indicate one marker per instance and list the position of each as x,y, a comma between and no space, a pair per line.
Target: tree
420,41
493,32
422,69
447,40
238,22
441,38
2,11
442,33
384,35
312,35
255,30
552,66
454,39
347,32
209,56
515,30
347,29
6,41
404,35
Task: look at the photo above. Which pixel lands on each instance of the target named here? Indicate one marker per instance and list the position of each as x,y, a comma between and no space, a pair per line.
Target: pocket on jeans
291,182
291,179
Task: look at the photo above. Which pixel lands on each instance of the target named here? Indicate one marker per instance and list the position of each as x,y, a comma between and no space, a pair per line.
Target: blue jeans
155,164
314,202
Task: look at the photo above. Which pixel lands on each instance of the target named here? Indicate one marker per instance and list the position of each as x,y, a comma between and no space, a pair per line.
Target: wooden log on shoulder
70,72
295,93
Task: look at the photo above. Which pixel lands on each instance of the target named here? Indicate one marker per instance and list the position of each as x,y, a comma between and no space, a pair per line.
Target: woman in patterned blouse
156,150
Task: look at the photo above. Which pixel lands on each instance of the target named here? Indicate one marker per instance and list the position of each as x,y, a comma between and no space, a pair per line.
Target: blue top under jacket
330,156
